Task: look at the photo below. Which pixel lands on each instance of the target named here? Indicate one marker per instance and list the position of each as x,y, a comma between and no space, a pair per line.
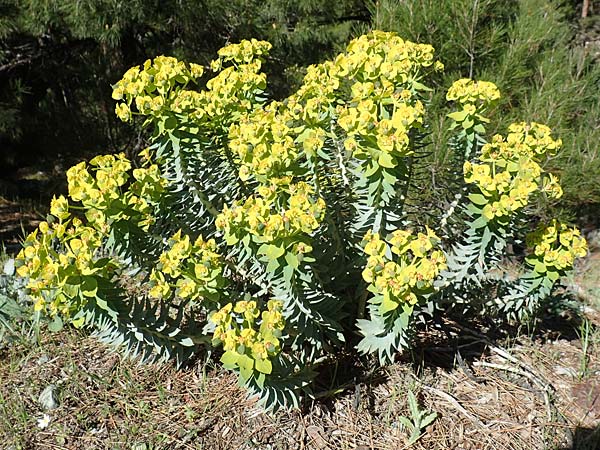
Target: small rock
47,399
485,399
588,309
559,370
9,267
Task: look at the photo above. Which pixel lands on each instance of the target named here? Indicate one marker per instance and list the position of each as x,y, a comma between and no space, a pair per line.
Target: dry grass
526,392
531,397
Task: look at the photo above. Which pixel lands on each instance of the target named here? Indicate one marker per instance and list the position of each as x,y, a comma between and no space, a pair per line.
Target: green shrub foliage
528,49
274,231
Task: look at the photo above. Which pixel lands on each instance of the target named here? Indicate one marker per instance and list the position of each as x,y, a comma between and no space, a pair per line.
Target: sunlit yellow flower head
189,269
466,90
554,247
402,266
245,329
509,171
261,217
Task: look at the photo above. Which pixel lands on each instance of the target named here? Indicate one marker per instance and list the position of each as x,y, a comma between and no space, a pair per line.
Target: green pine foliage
64,55
528,49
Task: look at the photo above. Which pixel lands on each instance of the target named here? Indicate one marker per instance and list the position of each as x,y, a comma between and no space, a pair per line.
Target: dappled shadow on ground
494,386
585,439
15,222
25,196
452,340
519,393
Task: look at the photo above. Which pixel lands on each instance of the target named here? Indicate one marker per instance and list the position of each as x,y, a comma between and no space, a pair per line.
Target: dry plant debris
531,397
540,392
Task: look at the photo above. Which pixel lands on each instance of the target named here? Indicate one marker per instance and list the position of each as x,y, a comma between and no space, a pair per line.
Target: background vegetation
526,47
58,60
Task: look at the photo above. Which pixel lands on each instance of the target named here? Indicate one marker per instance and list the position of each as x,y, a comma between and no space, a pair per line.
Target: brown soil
15,222
535,394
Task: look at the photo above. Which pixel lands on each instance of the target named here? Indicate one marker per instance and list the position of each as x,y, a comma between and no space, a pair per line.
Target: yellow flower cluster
467,91
236,329
380,55
61,277
555,247
190,103
59,258
158,88
149,86
245,52
312,104
383,106
510,171
524,138
102,192
370,91
266,220
379,65
191,270
362,123
111,173
267,142
401,281
263,144
144,193
59,207
234,90
474,97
